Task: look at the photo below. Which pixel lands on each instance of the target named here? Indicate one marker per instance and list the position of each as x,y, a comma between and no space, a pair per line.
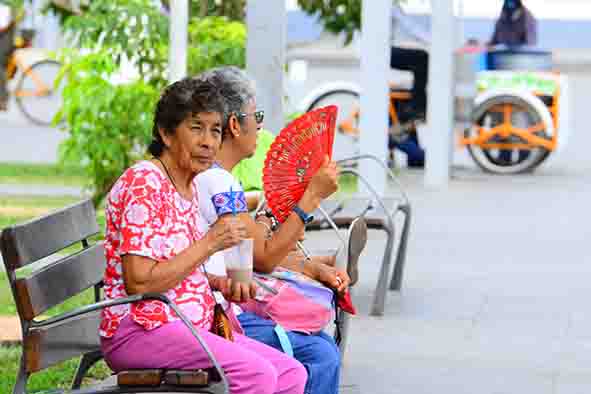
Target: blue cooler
519,59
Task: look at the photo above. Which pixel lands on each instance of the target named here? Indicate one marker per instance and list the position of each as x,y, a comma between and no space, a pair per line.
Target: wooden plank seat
38,286
158,377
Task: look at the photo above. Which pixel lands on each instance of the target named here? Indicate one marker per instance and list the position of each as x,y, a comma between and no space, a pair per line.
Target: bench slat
50,345
60,281
28,242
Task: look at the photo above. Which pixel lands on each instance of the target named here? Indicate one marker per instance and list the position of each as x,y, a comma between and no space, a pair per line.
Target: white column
439,136
265,57
375,69
177,55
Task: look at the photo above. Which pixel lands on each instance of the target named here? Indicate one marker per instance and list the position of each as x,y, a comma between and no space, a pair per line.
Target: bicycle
35,94
513,128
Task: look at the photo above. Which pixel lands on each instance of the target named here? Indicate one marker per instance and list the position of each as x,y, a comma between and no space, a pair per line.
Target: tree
110,124
337,16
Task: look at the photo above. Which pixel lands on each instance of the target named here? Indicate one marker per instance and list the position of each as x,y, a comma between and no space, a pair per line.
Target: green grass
24,208
7,306
19,209
42,174
59,376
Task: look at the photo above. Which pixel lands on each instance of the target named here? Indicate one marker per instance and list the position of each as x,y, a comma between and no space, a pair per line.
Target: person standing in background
416,60
516,26
6,43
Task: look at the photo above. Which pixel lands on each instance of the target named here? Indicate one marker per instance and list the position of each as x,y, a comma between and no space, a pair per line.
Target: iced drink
238,260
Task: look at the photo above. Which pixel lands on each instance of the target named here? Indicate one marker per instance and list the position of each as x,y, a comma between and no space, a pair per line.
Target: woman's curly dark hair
179,100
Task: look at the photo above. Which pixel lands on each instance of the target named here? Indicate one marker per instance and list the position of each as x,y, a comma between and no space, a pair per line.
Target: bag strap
284,340
337,321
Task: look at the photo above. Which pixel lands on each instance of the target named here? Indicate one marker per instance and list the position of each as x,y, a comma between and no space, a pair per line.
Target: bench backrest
46,285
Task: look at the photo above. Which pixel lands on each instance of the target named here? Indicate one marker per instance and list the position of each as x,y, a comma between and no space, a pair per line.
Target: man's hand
332,277
322,185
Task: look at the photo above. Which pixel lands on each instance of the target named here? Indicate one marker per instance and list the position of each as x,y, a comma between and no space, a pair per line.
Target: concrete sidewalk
495,295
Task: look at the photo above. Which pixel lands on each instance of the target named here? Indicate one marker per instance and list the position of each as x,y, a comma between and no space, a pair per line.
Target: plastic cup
238,260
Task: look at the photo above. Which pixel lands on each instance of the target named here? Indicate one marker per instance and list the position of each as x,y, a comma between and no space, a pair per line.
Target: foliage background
111,131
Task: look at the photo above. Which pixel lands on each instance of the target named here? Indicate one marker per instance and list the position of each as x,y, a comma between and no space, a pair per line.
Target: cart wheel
505,152
36,96
347,122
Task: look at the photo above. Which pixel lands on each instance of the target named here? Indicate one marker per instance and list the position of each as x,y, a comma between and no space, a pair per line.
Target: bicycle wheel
507,154
36,96
347,134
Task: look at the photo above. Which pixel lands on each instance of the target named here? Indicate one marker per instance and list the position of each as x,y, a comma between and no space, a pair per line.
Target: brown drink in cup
238,260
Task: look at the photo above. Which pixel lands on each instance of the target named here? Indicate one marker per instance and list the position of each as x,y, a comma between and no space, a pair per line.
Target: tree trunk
204,8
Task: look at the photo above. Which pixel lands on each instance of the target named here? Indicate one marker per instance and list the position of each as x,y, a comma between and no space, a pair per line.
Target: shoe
415,155
357,242
3,105
416,163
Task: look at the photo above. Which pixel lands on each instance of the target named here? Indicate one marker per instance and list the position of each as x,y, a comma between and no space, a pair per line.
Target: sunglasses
259,116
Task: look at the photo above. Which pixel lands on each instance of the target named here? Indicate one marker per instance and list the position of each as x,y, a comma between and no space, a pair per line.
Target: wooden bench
37,287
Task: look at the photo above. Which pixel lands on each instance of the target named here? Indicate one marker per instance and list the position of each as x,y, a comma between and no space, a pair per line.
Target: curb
40,190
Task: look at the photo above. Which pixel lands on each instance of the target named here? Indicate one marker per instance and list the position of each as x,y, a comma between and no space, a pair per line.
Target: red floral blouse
147,217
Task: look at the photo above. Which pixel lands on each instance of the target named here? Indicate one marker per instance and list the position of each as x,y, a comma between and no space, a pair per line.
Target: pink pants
250,366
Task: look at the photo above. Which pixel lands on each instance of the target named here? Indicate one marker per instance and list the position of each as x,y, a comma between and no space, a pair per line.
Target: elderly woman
155,242
317,351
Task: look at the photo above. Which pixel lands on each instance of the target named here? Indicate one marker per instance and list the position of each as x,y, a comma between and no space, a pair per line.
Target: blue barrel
520,59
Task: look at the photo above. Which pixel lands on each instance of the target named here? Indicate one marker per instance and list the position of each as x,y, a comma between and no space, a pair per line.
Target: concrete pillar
375,70
440,117
177,55
265,57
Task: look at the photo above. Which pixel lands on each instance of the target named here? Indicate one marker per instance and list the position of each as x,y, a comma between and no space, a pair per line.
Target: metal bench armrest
135,298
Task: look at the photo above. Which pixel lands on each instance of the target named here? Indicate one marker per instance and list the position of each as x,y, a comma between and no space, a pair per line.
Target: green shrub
109,124
215,41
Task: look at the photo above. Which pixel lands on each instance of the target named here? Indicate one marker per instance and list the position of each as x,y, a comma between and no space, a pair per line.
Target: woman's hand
333,277
226,232
235,291
323,184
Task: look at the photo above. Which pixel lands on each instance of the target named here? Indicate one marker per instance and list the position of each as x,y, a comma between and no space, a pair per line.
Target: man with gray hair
315,350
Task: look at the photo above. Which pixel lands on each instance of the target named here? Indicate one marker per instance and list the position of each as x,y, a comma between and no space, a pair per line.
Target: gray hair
235,86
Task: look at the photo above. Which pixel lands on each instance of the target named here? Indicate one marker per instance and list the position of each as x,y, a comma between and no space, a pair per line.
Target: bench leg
20,386
86,362
379,298
398,272
345,320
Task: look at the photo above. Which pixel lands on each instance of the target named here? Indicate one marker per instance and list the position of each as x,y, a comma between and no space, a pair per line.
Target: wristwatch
306,218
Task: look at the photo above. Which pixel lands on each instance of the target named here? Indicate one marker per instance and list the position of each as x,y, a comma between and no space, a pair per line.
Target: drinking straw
232,202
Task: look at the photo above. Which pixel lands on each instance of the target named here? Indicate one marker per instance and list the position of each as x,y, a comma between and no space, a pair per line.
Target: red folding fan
295,156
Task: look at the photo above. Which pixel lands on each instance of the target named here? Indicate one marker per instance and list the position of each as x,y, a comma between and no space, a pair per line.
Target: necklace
167,173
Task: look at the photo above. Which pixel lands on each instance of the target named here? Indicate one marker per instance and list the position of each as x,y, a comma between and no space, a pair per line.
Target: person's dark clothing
416,61
514,28
6,43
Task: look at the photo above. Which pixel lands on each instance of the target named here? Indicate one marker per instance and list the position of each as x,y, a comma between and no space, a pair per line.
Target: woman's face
196,141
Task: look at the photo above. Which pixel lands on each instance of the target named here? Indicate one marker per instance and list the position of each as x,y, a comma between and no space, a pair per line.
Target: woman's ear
234,125
165,137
